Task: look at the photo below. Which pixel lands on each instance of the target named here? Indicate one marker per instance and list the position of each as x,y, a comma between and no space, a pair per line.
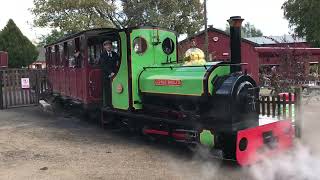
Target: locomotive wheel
108,121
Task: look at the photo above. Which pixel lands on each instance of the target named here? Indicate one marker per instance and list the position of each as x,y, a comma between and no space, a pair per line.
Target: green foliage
51,38
184,16
303,16
70,15
247,30
250,31
20,49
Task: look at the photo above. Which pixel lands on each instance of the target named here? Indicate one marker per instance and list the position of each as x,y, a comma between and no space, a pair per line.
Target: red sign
167,82
25,83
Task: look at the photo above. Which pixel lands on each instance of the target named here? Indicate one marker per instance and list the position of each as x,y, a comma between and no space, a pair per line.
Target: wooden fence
283,106
12,94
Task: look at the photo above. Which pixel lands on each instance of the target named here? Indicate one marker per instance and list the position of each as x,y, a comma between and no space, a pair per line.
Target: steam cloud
299,164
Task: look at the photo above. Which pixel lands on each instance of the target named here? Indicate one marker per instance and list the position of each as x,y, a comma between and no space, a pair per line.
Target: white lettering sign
25,83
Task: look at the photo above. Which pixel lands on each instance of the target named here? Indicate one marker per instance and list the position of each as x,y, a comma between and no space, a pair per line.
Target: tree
250,31
292,68
70,15
50,38
247,30
20,49
303,18
183,16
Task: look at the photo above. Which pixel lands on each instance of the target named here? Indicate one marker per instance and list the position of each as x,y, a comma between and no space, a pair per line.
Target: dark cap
107,42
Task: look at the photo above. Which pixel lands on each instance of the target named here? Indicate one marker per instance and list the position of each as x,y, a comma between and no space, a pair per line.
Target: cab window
140,45
168,46
95,48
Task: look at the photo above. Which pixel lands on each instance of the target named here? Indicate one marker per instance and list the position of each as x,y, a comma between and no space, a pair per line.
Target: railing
12,94
283,106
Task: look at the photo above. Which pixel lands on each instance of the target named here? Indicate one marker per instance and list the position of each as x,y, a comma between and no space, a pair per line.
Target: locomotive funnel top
235,41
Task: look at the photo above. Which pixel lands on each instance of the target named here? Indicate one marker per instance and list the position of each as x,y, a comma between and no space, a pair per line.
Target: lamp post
206,43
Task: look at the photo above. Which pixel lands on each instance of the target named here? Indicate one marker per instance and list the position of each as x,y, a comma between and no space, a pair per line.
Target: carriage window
140,45
77,54
52,56
57,55
61,54
65,55
70,54
168,46
48,54
94,52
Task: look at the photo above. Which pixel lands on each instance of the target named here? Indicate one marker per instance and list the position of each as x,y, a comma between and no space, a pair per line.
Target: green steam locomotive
211,105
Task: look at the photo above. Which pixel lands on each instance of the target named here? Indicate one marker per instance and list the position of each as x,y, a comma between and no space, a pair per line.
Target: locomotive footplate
260,142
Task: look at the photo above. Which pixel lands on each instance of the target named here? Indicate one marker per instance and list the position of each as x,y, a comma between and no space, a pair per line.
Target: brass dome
194,57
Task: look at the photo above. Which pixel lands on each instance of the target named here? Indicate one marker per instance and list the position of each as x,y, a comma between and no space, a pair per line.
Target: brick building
259,52
40,63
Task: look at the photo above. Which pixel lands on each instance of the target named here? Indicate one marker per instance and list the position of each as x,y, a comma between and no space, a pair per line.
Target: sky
266,15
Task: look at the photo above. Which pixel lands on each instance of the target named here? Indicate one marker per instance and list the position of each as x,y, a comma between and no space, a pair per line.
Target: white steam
299,164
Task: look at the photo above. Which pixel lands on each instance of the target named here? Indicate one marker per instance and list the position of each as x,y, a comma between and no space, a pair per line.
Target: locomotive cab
141,48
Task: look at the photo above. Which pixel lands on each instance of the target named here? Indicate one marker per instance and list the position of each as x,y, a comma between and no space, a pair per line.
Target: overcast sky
264,14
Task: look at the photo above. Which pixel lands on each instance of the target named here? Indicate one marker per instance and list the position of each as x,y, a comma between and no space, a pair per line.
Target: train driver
108,61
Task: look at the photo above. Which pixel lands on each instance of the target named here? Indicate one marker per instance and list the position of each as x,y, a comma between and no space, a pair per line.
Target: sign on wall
25,83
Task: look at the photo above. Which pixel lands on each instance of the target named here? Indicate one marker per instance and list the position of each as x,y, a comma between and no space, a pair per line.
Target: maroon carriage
78,79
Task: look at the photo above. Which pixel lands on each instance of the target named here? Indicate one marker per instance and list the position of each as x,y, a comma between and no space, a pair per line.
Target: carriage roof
98,31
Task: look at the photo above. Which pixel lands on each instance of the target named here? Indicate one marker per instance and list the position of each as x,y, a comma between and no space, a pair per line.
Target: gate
21,87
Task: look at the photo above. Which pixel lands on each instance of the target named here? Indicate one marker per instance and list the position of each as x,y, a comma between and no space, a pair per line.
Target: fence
283,106
21,87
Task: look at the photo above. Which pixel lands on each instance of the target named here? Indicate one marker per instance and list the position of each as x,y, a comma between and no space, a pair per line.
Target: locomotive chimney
235,42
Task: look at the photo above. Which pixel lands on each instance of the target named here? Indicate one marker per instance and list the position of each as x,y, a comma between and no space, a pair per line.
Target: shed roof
276,39
212,29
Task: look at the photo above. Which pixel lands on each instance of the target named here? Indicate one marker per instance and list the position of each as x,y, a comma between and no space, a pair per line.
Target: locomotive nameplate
167,82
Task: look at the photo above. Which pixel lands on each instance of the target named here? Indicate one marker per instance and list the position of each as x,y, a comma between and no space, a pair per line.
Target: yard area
39,145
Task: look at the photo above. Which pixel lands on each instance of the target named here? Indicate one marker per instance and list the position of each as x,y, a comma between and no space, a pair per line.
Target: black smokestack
235,41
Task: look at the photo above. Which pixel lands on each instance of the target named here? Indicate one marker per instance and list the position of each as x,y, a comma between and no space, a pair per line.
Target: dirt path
68,148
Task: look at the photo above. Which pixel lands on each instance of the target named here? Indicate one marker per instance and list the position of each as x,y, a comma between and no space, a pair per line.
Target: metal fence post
1,92
37,73
297,111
